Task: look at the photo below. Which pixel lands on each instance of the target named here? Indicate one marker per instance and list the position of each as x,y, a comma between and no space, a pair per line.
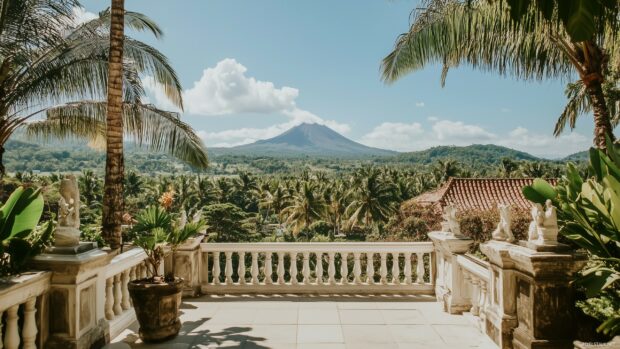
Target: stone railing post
76,298
532,301
187,265
450,283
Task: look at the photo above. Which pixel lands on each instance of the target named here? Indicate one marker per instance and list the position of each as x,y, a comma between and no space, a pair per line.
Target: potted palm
156,299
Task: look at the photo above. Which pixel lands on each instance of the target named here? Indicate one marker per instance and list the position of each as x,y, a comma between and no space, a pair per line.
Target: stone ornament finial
67,232
543,229
450,224
503,232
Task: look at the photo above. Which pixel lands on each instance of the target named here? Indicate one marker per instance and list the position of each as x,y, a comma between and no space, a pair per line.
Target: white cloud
410,137
419,104
459,132
226,89
80,16
394,135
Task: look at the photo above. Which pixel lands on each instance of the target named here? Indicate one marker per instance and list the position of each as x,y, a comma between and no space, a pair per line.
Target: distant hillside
477,153
305,140
577,157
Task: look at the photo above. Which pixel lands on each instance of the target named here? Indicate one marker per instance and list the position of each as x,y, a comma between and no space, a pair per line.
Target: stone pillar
76,313
449,281
501,313
532,301
187,265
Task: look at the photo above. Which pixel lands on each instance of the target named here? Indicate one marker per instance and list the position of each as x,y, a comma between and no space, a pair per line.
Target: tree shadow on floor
195,334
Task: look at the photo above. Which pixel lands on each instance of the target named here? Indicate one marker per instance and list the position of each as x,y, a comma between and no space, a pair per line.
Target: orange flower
167,199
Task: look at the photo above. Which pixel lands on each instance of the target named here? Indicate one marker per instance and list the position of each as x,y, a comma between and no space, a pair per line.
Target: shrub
480,224
413,222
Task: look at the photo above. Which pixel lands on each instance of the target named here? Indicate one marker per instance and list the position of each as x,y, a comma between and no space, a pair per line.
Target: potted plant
156,299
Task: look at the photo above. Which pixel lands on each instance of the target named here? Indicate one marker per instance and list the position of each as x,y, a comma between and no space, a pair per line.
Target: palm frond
148,126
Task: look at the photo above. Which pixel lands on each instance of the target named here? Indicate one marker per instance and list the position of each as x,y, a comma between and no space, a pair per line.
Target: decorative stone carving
67,233
503,232
450,223
543,229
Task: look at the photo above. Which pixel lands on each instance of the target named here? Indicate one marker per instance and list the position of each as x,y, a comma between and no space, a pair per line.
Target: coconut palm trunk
114,168
595,62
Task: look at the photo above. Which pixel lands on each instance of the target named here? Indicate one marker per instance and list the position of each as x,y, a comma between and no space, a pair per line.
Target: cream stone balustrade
476,276
23,300
122,269
293,267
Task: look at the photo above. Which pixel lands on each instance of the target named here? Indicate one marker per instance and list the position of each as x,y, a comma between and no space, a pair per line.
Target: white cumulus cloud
227,89
411,137
419,104
80,15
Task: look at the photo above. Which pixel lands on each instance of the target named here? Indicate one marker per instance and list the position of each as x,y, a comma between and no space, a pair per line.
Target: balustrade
476,278
124,268
319,267
19,308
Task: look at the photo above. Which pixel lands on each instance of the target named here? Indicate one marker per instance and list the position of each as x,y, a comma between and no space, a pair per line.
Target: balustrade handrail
473,266
19,289
326,247
124,261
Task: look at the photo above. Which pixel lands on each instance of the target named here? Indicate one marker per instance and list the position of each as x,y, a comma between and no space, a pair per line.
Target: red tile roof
479,193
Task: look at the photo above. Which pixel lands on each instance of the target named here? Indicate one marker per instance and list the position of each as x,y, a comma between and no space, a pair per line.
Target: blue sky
251,69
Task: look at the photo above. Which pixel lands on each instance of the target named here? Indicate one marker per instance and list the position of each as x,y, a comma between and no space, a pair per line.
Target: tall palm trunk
595,61
114,167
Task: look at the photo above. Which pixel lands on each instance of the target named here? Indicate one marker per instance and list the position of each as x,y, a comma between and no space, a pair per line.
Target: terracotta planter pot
157,308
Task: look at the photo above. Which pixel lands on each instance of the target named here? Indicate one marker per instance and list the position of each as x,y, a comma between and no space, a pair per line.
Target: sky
253,69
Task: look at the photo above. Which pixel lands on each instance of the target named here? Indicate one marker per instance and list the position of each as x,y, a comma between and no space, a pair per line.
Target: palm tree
444,169
372,201
483,34
306,207
336,206
47,61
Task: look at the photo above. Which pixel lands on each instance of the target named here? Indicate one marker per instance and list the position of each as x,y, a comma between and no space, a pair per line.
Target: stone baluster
241,267
475,296
383,271
228,271
216,268
483,297
293,268
407,269
280,269
118,295
344,268
319,268
395,269
254,268
306,268
419,271
357,268
144,270
132,273
109,298
125,303
29,330
11,336
268,269
331,269
370,268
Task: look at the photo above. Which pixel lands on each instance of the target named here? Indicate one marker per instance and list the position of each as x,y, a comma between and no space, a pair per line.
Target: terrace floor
318,322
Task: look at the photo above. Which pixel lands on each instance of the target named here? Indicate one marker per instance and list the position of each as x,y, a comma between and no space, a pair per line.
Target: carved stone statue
544,226
67,232
450,223
503,232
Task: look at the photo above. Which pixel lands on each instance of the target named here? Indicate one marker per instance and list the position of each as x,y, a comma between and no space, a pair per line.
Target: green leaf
580,21
544,188
533,195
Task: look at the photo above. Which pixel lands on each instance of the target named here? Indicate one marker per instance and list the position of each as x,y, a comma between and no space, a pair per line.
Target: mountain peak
309,139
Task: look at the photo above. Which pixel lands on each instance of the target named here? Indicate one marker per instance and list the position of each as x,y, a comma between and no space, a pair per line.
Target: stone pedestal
449,275
532,302
76,314
186,264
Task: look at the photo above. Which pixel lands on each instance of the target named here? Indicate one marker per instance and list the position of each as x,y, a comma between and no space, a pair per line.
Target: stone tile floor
317,322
